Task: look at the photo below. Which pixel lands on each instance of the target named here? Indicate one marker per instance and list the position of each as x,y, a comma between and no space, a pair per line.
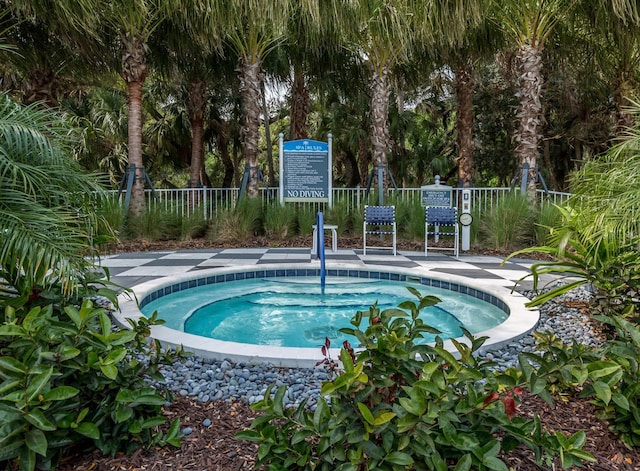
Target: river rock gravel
207,380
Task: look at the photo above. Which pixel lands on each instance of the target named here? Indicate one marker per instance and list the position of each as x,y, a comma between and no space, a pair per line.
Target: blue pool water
294,312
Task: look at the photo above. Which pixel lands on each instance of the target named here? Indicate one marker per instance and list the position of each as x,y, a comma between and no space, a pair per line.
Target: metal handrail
320,251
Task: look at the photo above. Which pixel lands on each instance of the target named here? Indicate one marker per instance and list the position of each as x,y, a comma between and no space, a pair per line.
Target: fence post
204,203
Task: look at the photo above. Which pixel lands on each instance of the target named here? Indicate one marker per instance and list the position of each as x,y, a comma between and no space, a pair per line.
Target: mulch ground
215,448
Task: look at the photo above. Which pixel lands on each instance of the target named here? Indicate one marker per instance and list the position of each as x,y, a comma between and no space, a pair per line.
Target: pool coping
520,322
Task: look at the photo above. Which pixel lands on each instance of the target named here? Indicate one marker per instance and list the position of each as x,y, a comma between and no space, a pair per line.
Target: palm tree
92,28
55,45
130,23
45,201
186,52
460,40
619,35
529,24
254,28
380,31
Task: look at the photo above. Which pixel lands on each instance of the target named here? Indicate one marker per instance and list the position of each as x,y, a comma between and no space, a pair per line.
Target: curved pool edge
520,322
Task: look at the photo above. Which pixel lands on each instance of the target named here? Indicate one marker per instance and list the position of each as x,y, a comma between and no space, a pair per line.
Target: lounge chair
441,222
379,220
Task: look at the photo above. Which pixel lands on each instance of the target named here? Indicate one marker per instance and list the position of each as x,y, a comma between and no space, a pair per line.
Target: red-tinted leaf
327,342
509,406
490,398
324,350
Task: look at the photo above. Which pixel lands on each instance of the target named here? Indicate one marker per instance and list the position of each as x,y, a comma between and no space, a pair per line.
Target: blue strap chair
379,220
441,222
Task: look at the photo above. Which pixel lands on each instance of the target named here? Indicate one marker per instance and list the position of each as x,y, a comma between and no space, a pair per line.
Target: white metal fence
210,201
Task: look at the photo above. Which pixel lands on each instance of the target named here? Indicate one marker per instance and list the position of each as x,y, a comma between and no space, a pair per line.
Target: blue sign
305,171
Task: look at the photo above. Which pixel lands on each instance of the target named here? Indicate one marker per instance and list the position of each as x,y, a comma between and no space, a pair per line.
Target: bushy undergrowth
511,224
508,224
70,378
306,218
401,404
279,221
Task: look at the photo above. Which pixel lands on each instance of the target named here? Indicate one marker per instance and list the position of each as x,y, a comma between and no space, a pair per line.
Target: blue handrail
320,246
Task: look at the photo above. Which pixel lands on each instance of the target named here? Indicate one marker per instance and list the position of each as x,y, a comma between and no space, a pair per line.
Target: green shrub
611,266
410,220
508,225
306,217
232,225
617,390
111,218
549,216
68,378
339,215
187,227
401,404
156,223
279,221
609,376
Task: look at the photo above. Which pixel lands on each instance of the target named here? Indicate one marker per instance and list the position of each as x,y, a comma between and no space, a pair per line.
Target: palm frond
46,200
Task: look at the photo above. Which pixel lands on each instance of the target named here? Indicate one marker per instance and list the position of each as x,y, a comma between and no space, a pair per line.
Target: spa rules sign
305,171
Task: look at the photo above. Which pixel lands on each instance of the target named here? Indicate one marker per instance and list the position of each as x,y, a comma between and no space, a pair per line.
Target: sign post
305,171
437,194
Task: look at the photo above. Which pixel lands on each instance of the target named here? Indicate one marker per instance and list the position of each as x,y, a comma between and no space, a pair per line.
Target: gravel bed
211,380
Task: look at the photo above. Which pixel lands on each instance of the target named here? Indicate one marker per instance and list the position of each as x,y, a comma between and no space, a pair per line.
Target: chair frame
379,218
439,217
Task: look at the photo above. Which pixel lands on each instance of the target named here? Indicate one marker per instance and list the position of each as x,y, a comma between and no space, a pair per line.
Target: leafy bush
279,221
68,378
618,392
611,267
508,224
609,375
411,220
306,217
339,215
156,223
236,224
48,220
549,216
400,403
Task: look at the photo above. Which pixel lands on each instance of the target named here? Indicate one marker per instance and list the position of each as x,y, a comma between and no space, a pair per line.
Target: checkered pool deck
131,269
149,273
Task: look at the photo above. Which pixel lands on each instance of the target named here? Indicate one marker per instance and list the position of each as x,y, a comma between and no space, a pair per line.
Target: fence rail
211,201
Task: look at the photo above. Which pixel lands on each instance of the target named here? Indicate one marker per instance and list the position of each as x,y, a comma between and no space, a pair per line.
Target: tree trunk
464,116
134,73
529,112
364,155
353,173
299,105
380,92
250,91
43,86
622,96
137,203
220,129
267,136
197,105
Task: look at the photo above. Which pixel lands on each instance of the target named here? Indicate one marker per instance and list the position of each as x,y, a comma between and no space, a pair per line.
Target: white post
330,172
281,168
204,202
466,227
